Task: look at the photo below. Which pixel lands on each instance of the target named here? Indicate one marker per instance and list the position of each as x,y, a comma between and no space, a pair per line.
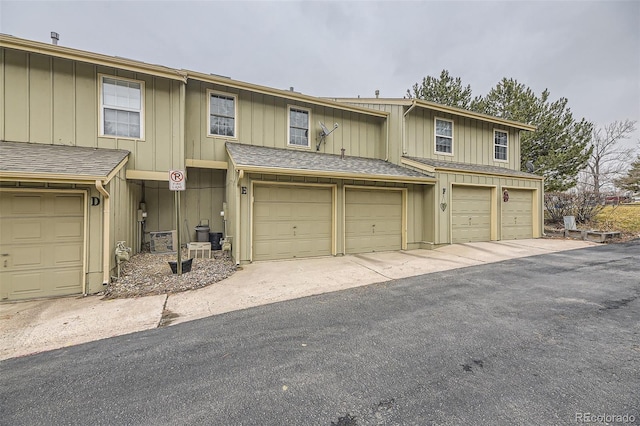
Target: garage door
470,214
517,215
373,220
41,243
291,222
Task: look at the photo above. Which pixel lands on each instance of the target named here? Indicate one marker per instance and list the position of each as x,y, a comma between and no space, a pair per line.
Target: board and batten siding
262,120
56,101
442,223
472,139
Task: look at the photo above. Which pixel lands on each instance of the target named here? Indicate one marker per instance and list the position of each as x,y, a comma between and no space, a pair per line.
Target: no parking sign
177,180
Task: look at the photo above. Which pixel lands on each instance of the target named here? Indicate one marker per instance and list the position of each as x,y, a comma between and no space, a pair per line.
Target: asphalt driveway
550,339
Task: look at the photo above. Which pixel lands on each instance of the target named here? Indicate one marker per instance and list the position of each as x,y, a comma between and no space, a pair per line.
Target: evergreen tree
445,90
559,148
631,181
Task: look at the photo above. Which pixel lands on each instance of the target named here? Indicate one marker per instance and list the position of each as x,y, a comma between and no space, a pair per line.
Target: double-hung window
121,107
222,114
299,127
500,145
444,136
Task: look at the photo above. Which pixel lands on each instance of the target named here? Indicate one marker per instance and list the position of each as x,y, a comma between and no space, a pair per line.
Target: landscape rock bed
150,274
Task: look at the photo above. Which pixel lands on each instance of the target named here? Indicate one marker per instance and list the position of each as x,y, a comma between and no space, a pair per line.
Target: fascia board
335,175
441,108
286,94
16,43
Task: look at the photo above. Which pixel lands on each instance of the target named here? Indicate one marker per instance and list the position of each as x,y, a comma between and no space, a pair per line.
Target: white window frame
303,109
436,135
506,151
235,114
102,106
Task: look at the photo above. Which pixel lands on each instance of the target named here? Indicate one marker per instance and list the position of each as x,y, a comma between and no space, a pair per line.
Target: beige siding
262,120
442,222
472,140
55,101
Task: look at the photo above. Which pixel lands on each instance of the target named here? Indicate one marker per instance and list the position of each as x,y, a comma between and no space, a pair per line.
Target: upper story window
299,126
121,107
444,136
500,145
222,114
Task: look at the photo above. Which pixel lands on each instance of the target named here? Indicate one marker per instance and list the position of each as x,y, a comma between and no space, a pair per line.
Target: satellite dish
530,167
324,133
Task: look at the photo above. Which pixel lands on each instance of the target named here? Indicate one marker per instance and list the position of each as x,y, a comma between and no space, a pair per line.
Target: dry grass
624,218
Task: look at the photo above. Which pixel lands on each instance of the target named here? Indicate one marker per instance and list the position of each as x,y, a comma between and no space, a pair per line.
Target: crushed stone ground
147,274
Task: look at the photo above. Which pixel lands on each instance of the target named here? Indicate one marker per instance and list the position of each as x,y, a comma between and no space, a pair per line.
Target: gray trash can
202,232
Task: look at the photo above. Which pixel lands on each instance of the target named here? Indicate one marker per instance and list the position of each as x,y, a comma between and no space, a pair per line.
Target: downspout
386,124
237,231
404,118
106,249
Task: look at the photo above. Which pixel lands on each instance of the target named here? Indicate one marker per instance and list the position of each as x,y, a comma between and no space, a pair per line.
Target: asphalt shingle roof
260,156
473,167
87,162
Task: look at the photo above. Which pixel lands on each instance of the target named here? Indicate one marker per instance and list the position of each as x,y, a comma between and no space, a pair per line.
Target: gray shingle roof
494,170
265,157
20,157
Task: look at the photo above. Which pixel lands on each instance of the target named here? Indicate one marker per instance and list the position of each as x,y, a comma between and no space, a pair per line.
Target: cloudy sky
586,51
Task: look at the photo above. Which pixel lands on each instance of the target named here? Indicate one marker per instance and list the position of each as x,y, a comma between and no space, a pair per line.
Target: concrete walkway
40,325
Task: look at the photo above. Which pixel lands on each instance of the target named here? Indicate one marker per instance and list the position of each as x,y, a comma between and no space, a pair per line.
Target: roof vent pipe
377,93
54,38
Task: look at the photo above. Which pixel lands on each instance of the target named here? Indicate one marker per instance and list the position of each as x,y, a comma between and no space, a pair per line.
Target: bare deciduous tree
608,159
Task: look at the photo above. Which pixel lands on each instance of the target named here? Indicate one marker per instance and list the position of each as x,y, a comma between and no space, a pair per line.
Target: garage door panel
27,257
517,215
68,229
43,235
65,204
291,221
470,214
67,254
27,205
373,220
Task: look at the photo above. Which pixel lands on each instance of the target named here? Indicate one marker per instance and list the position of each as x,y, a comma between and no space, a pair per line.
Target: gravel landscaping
150,274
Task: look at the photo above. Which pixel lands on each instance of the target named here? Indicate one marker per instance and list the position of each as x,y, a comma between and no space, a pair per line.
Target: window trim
308,111
435,136
101,107
506,160
235,114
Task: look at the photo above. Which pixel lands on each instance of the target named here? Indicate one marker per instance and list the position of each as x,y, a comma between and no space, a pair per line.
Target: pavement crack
167,316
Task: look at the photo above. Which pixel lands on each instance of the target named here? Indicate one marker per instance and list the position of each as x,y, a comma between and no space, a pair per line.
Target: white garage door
470,214
41,244
517,215
373,220
291,222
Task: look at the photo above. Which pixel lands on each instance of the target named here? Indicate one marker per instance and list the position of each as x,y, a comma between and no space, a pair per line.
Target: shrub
582,205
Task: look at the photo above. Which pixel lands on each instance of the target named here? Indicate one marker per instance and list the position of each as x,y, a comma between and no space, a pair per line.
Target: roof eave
442,108
286,94
333,174
16,43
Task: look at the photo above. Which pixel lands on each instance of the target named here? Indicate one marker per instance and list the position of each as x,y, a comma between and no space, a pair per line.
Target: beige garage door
373,220
41,243
470,214
517,215
291,222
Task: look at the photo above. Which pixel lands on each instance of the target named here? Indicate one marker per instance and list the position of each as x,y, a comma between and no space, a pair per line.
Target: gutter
106,264
414,103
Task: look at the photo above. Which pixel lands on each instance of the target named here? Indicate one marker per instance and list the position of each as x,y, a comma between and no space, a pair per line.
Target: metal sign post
178,183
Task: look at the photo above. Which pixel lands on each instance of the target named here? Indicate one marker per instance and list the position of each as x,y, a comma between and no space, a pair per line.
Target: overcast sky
586,51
